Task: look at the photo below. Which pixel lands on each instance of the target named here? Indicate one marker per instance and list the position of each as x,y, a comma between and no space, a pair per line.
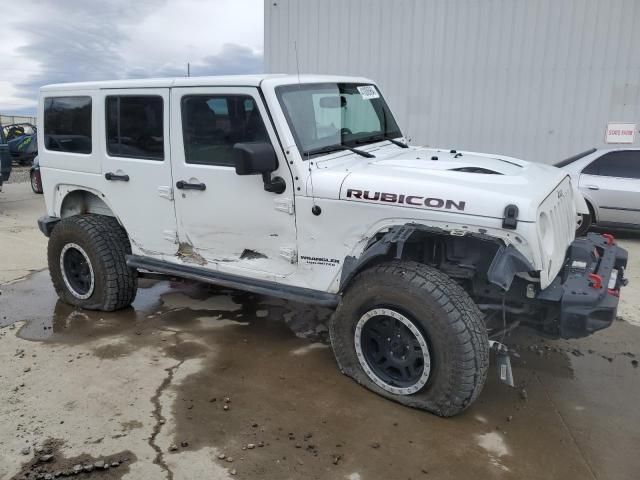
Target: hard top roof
212,81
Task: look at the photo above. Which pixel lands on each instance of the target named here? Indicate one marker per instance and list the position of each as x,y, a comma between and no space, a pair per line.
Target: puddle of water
287,394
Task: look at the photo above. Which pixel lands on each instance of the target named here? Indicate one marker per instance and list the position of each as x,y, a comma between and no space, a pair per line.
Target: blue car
22,141
5,160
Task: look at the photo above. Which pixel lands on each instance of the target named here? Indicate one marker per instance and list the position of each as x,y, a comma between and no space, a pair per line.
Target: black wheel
87,263
583,224
410,333
35,183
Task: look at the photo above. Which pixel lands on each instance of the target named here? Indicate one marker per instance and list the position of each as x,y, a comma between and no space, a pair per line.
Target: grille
560,209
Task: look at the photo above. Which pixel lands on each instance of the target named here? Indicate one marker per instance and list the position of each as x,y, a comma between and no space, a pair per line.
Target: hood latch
510,219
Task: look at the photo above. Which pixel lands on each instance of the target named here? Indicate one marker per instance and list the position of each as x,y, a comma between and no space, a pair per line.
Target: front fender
505,261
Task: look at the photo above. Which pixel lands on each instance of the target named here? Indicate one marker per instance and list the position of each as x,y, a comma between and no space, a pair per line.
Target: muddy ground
194,376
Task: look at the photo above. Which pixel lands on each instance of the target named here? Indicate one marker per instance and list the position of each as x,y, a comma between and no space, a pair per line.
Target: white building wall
535,79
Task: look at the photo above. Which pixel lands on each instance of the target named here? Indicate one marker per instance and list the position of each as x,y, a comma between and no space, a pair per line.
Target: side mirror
259,159
255,158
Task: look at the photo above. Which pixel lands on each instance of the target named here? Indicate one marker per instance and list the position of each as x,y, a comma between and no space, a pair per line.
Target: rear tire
87,263
433,317
35,183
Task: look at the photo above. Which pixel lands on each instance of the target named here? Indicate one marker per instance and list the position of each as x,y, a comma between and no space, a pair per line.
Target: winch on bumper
586,292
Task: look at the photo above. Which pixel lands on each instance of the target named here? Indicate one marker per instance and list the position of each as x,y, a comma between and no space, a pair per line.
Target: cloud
79,40
76,41
232,59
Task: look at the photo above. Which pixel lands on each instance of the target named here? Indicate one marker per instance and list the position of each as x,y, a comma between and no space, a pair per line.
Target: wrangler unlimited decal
415,200
331,262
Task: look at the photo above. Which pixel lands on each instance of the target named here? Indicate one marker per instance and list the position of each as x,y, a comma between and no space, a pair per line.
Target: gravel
19,175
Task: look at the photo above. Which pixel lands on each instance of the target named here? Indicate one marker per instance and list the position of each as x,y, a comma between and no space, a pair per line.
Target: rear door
225,220
613,183
136,166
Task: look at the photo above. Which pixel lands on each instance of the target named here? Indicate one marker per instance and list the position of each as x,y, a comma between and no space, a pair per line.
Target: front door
136,167
224,219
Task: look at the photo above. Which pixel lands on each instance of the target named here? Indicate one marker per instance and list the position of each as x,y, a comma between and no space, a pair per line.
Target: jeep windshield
328,117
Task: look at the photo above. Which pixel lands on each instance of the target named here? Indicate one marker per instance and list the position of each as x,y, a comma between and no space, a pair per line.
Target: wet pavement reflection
573,413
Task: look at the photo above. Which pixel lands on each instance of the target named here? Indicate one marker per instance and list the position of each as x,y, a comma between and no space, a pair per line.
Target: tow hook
503,358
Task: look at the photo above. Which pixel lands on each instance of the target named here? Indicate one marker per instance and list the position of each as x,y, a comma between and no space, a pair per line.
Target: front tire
87,263
583,224
411,334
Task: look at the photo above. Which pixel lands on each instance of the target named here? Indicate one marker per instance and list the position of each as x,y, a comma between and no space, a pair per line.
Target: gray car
609,179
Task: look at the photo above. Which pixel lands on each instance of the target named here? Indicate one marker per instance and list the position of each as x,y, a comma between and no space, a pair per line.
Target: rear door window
135,126
624,164
67,124
213,124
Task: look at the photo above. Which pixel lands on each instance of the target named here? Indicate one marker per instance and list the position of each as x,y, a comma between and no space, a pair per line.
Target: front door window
213,124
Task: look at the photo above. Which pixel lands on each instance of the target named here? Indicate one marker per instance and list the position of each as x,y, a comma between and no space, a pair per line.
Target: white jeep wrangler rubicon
302,187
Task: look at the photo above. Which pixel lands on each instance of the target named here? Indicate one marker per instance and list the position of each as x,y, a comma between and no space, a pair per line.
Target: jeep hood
461,182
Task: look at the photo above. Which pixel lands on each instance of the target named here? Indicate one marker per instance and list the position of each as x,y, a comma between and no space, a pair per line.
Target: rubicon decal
401,198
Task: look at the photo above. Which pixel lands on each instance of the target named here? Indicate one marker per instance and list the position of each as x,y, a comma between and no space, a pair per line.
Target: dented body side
330,211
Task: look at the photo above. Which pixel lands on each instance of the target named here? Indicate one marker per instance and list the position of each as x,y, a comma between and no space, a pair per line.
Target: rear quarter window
67,124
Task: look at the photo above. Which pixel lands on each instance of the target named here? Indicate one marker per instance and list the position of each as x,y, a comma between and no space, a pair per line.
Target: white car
609,179
302,187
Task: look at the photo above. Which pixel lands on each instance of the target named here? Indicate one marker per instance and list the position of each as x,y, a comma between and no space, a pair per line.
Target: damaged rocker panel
262,287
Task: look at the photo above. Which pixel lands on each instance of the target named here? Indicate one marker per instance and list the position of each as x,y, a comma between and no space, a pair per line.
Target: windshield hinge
510,219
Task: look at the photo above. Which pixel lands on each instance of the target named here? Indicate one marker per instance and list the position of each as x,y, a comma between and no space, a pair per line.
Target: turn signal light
596,281
609,238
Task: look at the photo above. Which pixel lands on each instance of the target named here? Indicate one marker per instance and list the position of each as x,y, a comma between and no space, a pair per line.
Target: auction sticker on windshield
367,92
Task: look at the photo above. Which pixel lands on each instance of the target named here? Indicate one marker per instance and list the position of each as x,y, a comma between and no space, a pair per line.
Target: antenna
188,69
314,208
295,48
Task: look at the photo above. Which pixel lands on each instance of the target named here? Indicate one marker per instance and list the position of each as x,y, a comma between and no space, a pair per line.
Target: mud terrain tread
107,245
122,247
462,321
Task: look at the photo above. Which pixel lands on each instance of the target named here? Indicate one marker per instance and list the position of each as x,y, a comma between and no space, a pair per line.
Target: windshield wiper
378,138
336,148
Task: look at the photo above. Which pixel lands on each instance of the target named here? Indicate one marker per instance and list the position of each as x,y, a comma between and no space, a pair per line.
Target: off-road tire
584,227
441,310
35,183
106,244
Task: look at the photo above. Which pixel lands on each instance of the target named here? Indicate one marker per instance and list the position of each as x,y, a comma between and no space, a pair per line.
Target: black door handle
113,177
182,185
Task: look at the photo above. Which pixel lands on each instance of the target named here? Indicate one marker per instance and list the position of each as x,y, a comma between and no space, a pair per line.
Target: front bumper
587,290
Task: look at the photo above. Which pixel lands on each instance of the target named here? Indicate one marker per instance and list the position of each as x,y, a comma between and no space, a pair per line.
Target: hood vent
476,170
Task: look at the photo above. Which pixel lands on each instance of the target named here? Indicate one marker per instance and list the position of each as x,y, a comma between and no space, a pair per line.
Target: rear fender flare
75,200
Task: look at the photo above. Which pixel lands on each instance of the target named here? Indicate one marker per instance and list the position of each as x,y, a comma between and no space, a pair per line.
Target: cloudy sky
52,41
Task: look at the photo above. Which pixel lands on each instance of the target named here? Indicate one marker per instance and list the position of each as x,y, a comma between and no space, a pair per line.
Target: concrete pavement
147,388
23,249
